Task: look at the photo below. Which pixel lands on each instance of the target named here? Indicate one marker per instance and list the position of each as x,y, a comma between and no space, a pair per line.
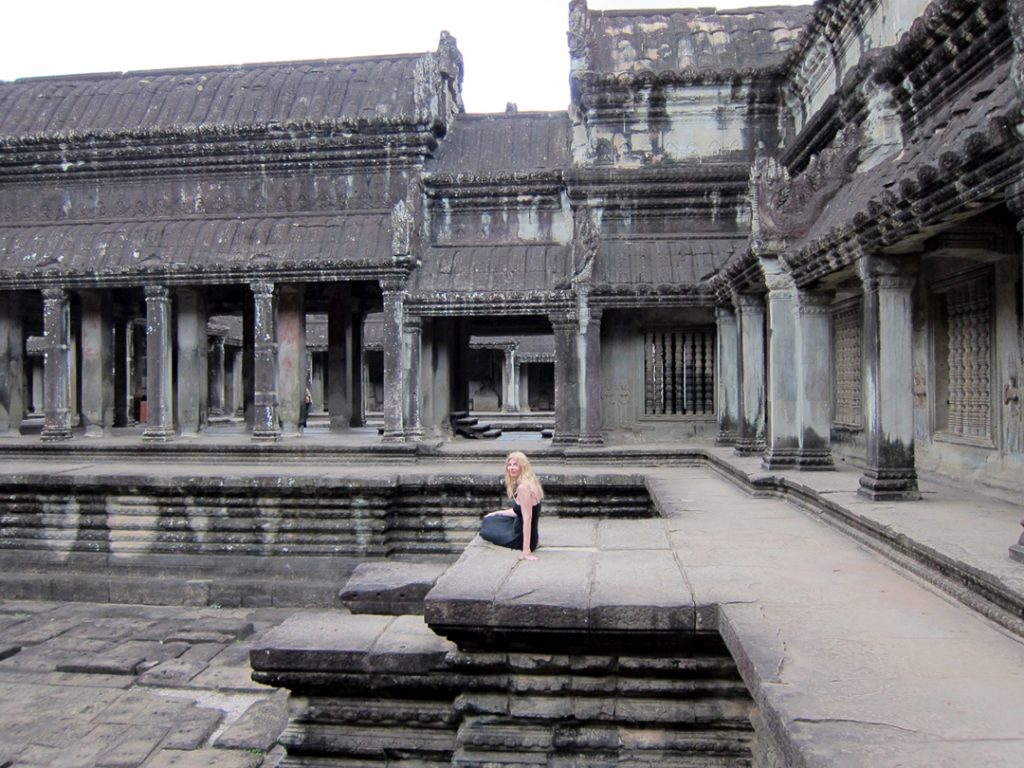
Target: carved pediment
785,207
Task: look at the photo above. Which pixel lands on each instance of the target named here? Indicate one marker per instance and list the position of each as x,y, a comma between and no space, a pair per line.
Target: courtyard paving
854,659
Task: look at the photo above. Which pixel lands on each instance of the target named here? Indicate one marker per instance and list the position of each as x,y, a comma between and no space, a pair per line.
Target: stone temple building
789,229
779,245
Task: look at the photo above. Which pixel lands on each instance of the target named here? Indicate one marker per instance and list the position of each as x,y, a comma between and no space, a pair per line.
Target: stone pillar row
777,377
184,381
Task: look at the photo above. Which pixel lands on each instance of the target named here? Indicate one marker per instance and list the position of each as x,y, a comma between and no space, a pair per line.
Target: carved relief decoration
847,345
784,207
970,352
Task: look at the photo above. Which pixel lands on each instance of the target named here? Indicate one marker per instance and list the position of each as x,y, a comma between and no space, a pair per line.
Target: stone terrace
867,634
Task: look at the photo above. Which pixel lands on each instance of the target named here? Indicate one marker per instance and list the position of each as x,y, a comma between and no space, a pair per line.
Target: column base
725,438
266,435
591,440
557,439
781,458
393,436
889,485
746,447
1017,550
815,460
55,434
157,435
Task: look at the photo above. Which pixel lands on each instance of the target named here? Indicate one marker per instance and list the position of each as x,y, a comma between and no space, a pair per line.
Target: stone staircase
465,425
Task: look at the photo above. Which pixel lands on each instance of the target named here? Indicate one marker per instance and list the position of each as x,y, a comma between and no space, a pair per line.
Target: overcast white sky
514,50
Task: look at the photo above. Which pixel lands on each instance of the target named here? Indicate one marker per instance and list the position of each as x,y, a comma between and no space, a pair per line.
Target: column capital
263,287
55,294
814,302
566,319
748,303
157,292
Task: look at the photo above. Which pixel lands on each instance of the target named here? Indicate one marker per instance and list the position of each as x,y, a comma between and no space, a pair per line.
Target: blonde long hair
526,476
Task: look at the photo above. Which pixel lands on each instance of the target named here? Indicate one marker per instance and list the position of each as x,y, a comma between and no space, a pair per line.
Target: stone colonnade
93,366
774,377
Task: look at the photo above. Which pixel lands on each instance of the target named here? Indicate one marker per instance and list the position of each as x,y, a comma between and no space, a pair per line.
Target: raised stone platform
390,588
848,662
597,580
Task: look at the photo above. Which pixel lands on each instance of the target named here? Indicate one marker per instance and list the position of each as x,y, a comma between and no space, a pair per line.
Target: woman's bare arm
526,502
505,512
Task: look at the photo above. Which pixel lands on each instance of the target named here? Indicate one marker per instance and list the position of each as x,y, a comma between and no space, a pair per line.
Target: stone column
192,369
394,404
56,365
783,440
356,369
340,365
12,365
523,372
591,391
248,359
412,346
97,363
567,378
889,472
814,385
217,380
291,358
750,428
509,380
727,393
159,370
265,426
439,372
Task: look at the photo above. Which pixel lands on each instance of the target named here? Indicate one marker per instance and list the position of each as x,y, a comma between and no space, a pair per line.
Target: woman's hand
528,556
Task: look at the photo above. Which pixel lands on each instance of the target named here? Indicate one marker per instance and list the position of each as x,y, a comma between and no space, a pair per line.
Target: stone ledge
587,586
392,588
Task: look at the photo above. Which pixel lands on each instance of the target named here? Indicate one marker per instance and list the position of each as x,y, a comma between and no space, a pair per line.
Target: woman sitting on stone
516,528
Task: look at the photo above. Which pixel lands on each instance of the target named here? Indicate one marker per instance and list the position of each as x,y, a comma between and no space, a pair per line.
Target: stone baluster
265,427
159,369
56,366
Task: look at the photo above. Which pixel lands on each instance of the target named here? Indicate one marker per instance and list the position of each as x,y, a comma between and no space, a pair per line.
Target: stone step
393,588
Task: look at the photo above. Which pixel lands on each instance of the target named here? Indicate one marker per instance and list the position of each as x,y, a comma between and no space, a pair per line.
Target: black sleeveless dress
507,531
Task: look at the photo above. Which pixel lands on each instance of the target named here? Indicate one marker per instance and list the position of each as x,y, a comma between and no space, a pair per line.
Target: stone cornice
979,171
456,304
467,189
308,271
34,159
646,78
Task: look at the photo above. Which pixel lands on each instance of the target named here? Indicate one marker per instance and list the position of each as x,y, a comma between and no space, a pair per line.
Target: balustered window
679,372
963,350
847,361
